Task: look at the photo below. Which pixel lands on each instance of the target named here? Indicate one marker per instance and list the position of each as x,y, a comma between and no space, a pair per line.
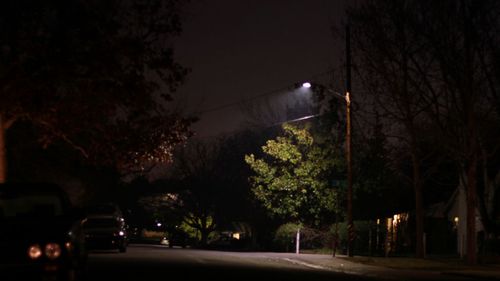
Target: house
455,211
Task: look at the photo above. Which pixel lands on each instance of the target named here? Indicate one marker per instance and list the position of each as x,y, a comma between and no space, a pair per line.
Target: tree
96,75
197,175
465,97
236,202
380,191
385,46
210,182
292,178
431,65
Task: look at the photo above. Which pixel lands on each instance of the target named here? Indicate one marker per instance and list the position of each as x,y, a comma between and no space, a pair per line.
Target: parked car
105,232
41,234
176,238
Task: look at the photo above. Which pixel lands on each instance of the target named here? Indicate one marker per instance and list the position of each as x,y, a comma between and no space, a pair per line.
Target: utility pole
350,224
3,151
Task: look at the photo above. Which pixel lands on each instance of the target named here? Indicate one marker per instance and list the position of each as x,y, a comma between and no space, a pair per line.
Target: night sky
241,49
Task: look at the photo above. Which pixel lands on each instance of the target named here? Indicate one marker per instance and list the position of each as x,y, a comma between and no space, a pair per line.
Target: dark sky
239,49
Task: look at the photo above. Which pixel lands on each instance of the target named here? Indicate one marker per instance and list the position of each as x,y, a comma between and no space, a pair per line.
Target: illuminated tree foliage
179,212
292,178
97,75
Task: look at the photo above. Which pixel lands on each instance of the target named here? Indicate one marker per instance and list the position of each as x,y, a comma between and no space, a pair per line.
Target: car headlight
52,251
34,251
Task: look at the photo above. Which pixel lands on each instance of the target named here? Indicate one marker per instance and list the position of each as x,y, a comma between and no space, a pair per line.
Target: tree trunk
335,239
417,187
470,98
486,199
204,232
204,237
471,211
419,209
3,151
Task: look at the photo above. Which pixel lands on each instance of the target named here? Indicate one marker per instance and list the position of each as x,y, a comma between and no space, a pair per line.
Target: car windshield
101,222
32,205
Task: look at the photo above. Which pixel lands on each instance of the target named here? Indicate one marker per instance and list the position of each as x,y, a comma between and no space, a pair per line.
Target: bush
310,238
285,236
362,237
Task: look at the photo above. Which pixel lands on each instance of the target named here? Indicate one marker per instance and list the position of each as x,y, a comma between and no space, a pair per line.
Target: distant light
158,224
236,236
306,85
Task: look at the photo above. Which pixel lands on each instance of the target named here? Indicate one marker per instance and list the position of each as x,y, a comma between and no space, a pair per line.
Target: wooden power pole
350,224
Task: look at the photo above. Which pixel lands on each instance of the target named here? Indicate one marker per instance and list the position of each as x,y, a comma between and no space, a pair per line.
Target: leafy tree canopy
292,178
95,74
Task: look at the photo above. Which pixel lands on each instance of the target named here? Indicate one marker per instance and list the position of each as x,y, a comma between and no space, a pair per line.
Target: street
145,263
152,262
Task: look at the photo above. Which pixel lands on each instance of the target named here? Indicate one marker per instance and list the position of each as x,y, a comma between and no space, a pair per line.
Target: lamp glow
306,85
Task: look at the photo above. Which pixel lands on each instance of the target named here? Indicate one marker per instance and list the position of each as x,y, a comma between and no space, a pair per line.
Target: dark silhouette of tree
430,66
198,178
384,45
97,75
464,97
380,191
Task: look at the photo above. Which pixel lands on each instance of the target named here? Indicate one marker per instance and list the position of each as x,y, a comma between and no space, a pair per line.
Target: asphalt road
155,263
158,263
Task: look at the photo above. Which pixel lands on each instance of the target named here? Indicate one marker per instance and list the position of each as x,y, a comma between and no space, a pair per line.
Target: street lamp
347,99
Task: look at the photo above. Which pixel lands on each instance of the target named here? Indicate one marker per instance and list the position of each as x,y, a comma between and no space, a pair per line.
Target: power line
220,107
224,106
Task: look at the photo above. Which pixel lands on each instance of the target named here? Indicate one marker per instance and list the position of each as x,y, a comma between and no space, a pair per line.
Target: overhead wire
267,93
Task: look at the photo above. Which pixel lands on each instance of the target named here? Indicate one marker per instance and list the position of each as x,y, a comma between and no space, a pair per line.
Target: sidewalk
394,268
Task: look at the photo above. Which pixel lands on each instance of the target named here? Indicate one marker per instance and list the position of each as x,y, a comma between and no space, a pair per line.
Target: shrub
310,238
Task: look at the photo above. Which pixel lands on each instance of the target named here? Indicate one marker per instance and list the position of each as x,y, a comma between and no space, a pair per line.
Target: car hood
40,229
